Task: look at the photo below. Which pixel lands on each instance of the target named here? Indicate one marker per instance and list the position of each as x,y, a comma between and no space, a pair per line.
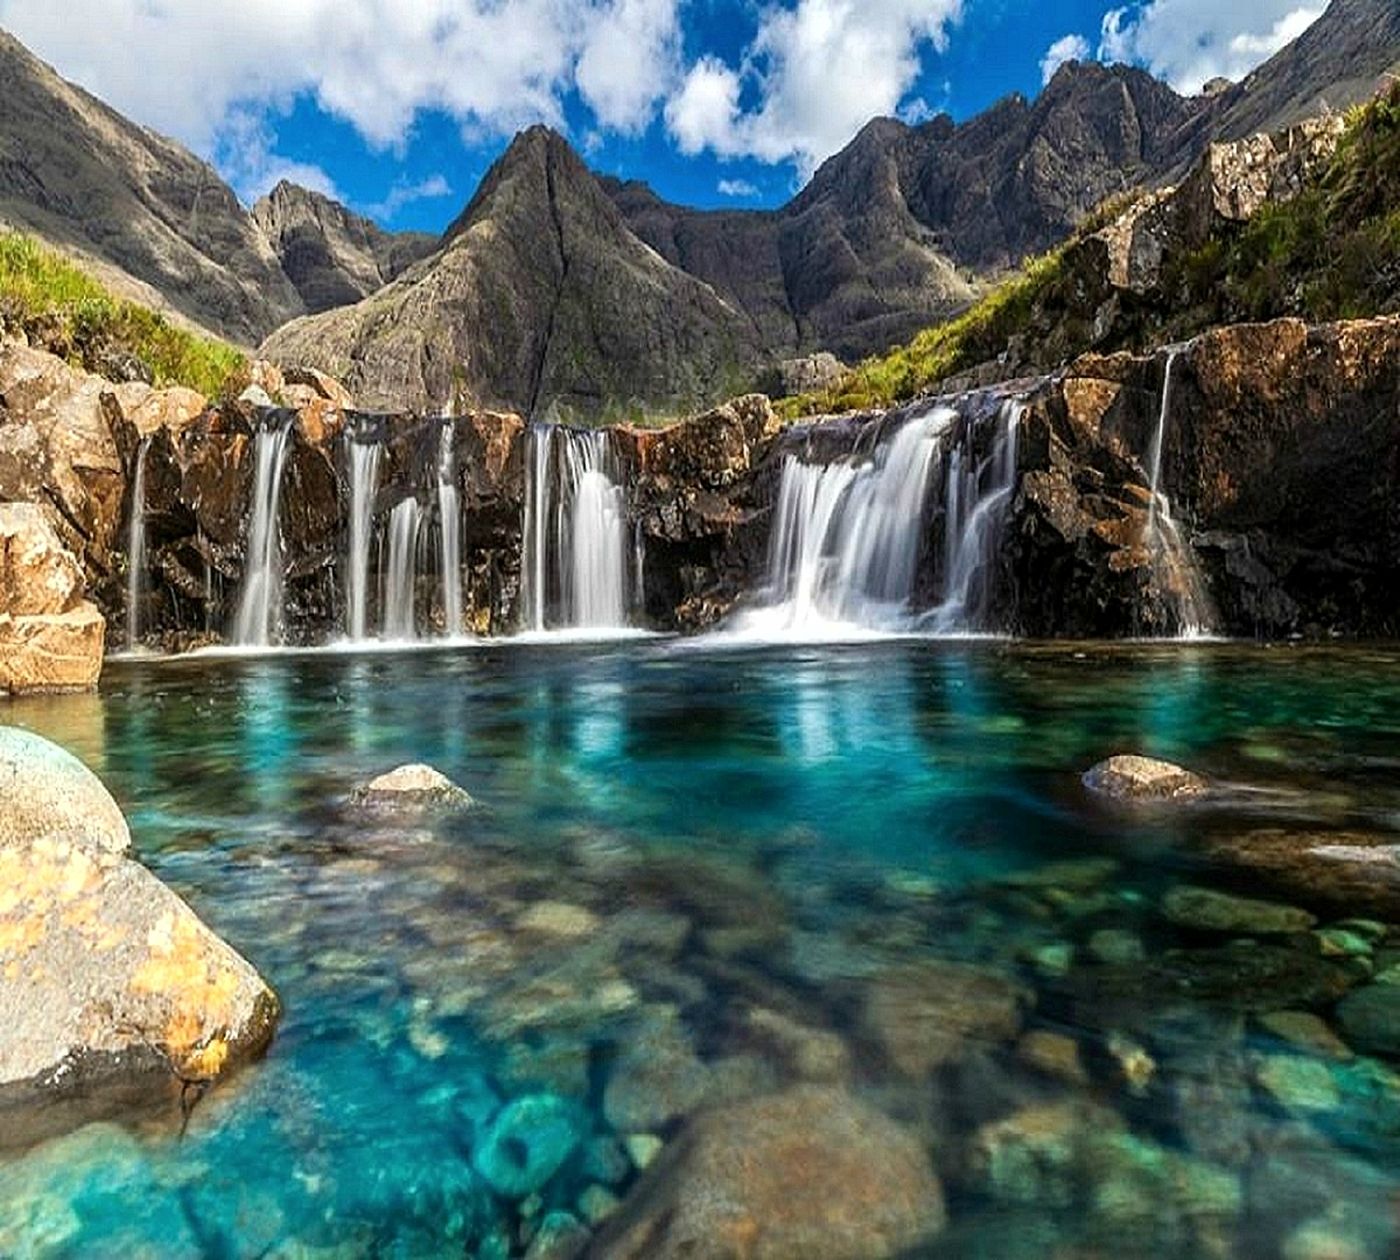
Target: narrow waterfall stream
364,485
1173,560
849,536
577,548
400,577
259,619
136,549
449,514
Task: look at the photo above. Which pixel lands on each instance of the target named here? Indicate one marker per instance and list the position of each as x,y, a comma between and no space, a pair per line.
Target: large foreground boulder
810,1172
111,989
51,638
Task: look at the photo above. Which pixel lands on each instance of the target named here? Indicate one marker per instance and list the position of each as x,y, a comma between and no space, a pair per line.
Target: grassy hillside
61,308
1331,253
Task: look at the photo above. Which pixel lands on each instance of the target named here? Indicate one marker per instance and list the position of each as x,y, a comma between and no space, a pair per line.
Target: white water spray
401,575
449,515
136,549
259,618
364,484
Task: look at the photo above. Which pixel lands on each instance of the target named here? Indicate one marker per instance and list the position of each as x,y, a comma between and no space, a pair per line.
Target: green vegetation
63,309
1333,252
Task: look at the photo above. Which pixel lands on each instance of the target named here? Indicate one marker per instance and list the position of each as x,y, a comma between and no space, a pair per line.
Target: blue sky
398,107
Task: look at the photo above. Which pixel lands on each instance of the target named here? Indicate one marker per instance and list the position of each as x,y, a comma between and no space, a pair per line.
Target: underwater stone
1205,910
1117,947
810,1172
1296,1083
1370,1018
597,1203
527,1144
643,1148
1133,778
1306,1031
658,1079
1054,1054
558,919
561,1236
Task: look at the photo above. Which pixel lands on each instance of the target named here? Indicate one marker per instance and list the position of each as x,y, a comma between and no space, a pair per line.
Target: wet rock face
809,1172
50,636
110,988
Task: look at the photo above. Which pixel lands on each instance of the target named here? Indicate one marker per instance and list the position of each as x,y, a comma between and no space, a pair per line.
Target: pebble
1205,910
597,1203
642,1149
1117,947
1054,1054
1297,1084
558,919
1306,1031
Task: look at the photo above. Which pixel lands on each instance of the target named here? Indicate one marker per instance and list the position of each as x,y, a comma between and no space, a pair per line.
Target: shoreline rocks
112,992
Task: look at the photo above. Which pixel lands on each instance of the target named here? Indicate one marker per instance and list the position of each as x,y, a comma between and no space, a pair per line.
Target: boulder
810,1172
110,986
305,385
51,639
527,1143
45,790
1370,1018
412,787
1134,778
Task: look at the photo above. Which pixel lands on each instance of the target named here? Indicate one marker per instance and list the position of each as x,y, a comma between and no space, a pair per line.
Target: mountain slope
82,176
333,256
539,296
1337,62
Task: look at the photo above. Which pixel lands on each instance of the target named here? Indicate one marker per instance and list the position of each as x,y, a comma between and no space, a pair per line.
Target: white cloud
1069,48
244,153
1190,42
819,72
737,188
187,67
405,194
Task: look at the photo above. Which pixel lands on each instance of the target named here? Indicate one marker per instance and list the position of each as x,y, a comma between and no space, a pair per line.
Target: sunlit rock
1131,778
411,787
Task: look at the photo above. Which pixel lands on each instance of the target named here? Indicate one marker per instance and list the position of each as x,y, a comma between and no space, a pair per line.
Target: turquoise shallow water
796,830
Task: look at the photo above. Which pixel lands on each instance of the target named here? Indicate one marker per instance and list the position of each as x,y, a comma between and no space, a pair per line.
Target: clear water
813,820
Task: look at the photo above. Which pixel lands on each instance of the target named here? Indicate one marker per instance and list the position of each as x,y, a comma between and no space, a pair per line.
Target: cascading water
259,617
400,577
450,518
848,537
136,549
1173,561
364,484
576,537
977,501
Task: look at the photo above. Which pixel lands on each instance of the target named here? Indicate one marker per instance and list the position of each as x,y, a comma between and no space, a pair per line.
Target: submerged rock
1133,778
1370,1018
412,787
1205,910
810,1172
527,1143
108,981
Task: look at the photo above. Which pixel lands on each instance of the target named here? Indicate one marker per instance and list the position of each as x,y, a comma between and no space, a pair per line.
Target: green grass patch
63,309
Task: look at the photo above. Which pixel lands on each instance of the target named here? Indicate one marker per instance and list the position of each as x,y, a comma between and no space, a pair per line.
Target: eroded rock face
111,989
51,638
809,1172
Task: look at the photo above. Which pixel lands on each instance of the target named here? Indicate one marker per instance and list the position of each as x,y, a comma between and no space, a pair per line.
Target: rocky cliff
539,297
333,256
155,220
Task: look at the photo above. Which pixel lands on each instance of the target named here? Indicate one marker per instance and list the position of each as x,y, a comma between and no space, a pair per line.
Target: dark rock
1370,1018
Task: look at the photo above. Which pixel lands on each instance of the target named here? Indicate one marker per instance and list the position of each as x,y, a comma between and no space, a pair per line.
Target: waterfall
259,617
847,536
576,537
136,548
364,484
977,502
399,581
1173,562
450,516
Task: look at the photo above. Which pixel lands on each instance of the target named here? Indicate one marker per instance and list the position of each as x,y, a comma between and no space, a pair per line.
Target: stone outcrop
809,1172
111,990
51,638
333,256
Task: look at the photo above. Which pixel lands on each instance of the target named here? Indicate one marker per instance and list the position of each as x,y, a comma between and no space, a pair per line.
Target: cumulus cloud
245,154
737,188
1190,42
190,66
1069,48
405,193
816,73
